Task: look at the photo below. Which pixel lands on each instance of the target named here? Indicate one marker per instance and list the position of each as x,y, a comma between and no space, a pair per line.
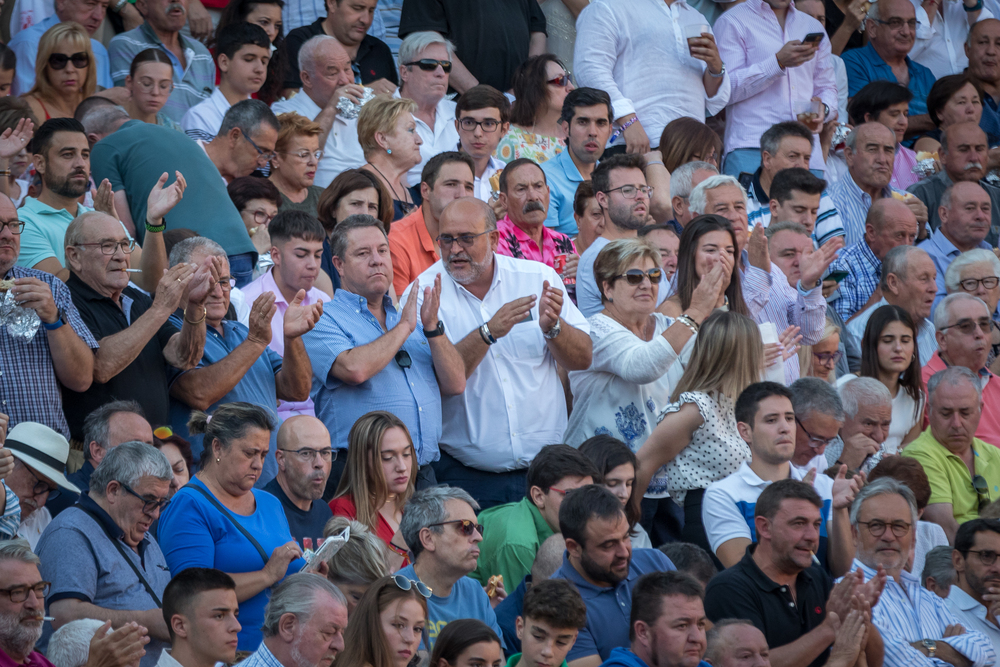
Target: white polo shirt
728,506
513,404
341,151
438,139
483,191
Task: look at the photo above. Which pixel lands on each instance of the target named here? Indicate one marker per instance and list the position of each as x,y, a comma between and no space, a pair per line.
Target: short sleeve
536,18
585,645
64,299
419,15
722,518
185,536
324,344
69,562
723,599
274,359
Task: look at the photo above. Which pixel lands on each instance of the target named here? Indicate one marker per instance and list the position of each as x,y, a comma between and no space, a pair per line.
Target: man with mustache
918,628
22,610
963,153
977,573
304,459
602,564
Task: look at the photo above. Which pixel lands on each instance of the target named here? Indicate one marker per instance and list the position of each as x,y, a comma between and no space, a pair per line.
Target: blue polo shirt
608,609
563,179
623,657
412,394
257,387
865,65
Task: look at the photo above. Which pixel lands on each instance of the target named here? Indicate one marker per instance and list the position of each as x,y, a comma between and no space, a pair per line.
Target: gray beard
19,639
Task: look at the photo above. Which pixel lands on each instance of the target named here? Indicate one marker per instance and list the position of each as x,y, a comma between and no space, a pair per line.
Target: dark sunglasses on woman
60,60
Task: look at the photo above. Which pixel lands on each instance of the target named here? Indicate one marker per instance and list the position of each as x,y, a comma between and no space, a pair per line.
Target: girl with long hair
387,626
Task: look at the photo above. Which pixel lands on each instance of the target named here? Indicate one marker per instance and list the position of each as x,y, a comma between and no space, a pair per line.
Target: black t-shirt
144,380
491,36
373,62
834,19
744,591
302,524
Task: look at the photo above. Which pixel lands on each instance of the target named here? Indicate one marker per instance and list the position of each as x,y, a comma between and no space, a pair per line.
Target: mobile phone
812,38
837,275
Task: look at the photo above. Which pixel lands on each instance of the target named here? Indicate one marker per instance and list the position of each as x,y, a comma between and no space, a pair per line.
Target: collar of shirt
360,304
542,528
565,162
866,253
426,242
89,504
151,36
764,582
756,189
550,238
267,284
589,591
264,656
937,363
34,659
966,602
35,207
868,51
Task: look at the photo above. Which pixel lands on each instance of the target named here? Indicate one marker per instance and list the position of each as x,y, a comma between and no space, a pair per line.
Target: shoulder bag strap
121,549
229,515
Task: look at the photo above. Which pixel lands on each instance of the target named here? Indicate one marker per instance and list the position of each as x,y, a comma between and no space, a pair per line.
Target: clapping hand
300,319
261,313
429,308
814,263
706,295
104,199
119,648
550,307
6,456
162,199
205,278
757,249
15,139
172,286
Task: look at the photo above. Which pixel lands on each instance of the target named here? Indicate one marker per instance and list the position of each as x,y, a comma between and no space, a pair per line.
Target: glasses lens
990,283
80,60
403,359
876,528
402,582
988,557
15,226
58,60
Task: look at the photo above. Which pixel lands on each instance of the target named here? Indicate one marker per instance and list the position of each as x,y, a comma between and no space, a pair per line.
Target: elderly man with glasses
963,471
99,555
916,625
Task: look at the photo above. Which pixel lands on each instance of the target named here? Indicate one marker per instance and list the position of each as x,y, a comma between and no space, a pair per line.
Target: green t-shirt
949,476
307,205
44,232
516,658
513,534
134,157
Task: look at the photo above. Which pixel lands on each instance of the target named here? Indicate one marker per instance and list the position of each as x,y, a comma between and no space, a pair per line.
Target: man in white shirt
242,51
514,327
641,54
977,572
942,30
482,118
776,72
766,421
425,61
200,608
326,74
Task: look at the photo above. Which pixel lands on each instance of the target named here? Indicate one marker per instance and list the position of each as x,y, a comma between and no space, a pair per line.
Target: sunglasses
429,65
405,584
634,276
561,81
982,488
403,359
465,526
59,60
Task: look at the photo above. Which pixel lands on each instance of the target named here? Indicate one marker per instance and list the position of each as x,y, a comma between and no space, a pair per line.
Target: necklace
394,195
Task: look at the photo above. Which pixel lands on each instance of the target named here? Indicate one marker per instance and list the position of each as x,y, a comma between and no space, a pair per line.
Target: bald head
734,643
890,223
324,66
302,431
302,467
471,210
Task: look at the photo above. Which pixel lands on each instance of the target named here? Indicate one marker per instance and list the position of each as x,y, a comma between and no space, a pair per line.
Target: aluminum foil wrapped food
21,323
839,137
348,109
925,164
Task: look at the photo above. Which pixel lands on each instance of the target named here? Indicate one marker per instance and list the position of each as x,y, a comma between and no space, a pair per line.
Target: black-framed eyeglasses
306,454
877,528
561,81
15,226
263,157
148,506
20,593
405,584
464,240
464,526
972,284
968,325
41,486
635,277
60,60
403,359
631,191
814,440
986,557
226,283
429,64
982,488
897,23
110,247
470,124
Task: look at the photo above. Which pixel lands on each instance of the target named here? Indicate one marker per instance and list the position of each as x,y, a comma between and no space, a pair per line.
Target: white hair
309,51
698,201
416,42
942,314
680,180
952,276
69,646
863,391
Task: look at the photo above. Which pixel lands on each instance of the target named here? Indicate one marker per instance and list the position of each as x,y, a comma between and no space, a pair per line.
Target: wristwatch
436,331
931,647
554,331
57,324
723,72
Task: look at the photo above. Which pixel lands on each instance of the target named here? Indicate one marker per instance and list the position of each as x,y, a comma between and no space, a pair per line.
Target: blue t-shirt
467,600
608,609
193,533
623,657
865,65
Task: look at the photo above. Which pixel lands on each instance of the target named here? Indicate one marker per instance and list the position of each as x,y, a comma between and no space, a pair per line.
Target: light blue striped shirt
907,613
262,657
828,222
11,519
853,204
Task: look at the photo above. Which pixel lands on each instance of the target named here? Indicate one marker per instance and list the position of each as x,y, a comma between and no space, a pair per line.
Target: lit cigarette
49,618
815,560
133,270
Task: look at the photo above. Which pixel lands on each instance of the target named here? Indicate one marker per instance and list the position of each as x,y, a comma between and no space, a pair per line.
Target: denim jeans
241,268
488,488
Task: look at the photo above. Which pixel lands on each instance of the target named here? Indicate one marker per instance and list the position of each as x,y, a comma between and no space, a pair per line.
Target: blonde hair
380,115
293,125
806,352
728,356
362,560
363,478
616,257
79,40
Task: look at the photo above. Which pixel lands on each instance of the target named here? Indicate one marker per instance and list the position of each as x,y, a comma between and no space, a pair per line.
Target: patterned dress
520,143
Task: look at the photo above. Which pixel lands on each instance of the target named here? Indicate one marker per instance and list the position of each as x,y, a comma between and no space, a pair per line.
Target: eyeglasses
814,441
226,283
41,486
634,277
982,488
405,584
465,526
561,81
827,358
464,240
20,593
263,157
971,284
897,23
148,86
110,247
262,218
304,154
15,226
470,124
60,60
148,506
403,359
561,492
429,65
306,455
985,557
968,325
877,528
630,191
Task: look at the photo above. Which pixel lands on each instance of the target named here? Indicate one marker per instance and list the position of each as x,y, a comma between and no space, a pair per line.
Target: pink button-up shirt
514,242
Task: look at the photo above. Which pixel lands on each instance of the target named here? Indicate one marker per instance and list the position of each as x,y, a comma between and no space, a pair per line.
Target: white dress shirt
513,404
940,46
341,151
763,94
438,139
972,614
637,52
481,185
203,120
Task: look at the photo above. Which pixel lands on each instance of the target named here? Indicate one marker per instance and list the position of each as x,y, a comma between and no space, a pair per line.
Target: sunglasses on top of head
60,60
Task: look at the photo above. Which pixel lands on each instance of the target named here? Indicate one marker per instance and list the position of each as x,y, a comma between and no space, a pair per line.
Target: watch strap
436,331
57,324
